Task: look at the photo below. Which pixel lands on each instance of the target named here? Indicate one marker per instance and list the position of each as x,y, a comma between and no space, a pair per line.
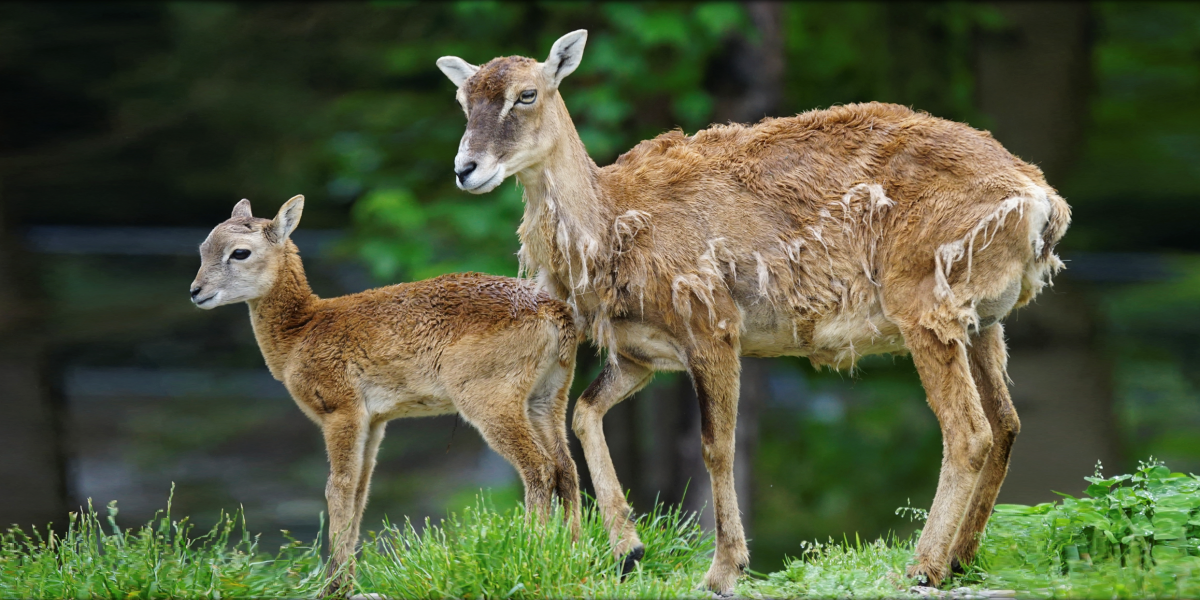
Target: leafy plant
1131,536
840,570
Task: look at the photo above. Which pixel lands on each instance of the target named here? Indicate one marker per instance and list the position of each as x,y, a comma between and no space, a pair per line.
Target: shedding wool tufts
951,252
626,227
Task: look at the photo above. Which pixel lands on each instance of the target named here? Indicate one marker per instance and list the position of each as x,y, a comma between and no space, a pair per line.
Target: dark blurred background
128,130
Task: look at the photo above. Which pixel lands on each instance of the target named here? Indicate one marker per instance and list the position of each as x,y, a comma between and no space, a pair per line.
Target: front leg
371,450
615,383
346,433
715,373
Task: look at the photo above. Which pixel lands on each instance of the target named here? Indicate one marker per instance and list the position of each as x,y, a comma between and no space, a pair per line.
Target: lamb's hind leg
966,443
614,384
499,415
548,414
988,357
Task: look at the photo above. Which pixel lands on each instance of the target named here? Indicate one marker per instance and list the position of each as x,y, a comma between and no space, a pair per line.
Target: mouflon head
240,258
514,112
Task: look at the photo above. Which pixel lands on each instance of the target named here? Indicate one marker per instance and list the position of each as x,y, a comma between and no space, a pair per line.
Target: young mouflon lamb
492,349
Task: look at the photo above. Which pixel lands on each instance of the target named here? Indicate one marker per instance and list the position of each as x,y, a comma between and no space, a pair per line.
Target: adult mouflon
861,229
493,349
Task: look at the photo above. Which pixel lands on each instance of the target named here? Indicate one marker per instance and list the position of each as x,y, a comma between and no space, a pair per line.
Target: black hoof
631,558
956,567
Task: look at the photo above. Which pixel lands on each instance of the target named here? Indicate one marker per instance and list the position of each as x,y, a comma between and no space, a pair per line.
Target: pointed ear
288,218
565,56
241,210
457,69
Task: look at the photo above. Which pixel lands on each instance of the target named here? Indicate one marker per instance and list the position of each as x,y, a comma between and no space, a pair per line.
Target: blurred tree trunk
1032,80
32,472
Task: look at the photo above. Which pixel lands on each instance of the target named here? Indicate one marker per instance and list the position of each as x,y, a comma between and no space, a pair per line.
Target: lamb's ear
288,218
565,56
457,69
241,210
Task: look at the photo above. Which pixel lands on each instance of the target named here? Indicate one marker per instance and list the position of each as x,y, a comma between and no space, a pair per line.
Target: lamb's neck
280,317
567,215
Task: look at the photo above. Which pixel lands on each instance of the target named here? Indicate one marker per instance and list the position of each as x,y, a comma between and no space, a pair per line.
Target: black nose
195,291
466,171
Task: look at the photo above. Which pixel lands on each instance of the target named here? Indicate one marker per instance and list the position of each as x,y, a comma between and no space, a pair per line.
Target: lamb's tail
568,334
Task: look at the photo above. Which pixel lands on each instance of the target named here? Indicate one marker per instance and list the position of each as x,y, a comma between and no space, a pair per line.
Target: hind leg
499,415
548,412
966,443
988,357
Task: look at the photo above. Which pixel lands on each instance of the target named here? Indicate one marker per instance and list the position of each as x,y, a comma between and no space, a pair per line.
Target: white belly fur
838,338
391,403
841,338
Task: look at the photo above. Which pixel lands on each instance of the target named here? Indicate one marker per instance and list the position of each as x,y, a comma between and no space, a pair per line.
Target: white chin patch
480,183
210,302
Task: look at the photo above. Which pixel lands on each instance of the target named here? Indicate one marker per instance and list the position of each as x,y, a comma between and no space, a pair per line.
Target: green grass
1132,536
477,552
485,553
162,559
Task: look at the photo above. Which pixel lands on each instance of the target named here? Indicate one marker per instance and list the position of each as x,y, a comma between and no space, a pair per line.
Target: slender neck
279,317
567,214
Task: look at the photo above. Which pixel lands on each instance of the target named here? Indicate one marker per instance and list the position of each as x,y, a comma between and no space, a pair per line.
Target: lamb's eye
528,96
240,255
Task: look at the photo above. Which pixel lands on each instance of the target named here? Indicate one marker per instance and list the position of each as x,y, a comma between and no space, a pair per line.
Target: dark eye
240,255
528,96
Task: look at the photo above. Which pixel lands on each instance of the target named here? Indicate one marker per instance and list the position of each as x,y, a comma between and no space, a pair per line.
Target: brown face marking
492,79
486,93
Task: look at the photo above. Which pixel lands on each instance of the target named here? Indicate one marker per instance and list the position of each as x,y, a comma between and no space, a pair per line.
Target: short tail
568,335
1056,225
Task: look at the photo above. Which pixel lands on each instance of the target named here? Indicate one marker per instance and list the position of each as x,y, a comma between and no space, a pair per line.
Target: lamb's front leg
346,433
371,450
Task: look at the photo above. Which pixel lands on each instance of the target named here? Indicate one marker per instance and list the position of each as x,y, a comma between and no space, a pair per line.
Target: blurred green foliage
411,220
859,446
1144,135
1153,329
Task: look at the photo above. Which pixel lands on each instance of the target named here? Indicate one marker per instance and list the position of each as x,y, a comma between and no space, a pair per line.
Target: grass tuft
849,569
484,553
478,553
162,559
